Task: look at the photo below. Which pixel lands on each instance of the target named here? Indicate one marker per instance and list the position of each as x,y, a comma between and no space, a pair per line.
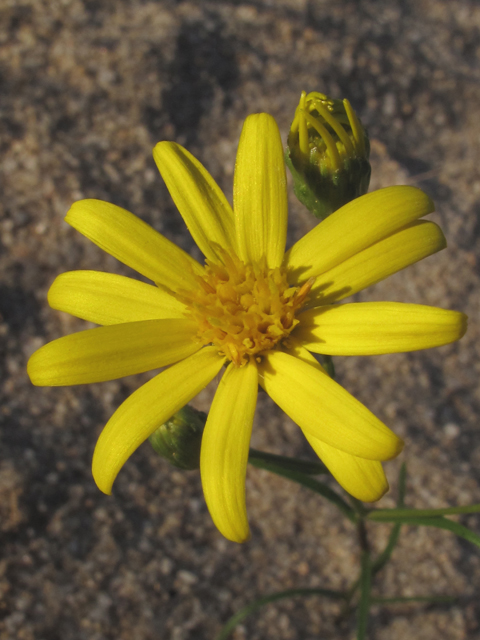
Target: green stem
364,546
273,597
384,557
365,598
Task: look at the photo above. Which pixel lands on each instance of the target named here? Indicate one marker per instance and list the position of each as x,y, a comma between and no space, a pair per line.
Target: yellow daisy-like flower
253,307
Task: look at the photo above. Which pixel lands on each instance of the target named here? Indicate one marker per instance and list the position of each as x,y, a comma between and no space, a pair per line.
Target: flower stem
365,598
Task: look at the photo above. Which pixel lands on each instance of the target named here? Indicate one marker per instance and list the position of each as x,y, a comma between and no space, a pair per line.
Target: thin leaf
424,599
291,464
386,515
440,523
273,597
310,483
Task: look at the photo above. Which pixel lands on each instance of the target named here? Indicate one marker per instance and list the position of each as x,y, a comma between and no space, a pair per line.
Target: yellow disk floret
243,309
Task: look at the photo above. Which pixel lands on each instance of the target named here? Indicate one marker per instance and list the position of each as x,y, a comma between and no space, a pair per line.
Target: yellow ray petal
361,478
354,227
260,192
134,242
148,408
201,202
370,328
106,298
224,453
294,348
413,243
107,353
323,409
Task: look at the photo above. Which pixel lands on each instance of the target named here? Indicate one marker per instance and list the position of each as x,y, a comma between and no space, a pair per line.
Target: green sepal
304,192
323,192
327,364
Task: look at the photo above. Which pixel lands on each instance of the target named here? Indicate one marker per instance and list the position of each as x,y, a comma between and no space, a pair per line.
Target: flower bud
327,154
179,439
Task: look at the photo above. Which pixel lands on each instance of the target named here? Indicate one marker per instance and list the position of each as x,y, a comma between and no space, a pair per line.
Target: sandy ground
87,88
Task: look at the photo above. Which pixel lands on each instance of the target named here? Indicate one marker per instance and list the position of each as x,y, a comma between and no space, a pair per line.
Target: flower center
243,309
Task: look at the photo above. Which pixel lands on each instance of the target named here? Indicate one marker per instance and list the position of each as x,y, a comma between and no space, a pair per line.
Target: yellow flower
252,307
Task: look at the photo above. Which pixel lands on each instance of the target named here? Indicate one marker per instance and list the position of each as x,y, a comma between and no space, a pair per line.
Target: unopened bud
179,439
327,154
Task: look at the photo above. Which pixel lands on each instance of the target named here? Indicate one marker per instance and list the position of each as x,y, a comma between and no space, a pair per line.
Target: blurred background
87,87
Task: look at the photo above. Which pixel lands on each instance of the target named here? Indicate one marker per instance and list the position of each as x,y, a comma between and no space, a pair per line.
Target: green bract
179,439
327,154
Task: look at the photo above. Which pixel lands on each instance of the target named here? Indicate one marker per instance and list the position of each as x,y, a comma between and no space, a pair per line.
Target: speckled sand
86,89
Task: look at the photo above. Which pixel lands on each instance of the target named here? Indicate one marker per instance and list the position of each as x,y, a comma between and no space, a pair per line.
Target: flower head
243,309
253,308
